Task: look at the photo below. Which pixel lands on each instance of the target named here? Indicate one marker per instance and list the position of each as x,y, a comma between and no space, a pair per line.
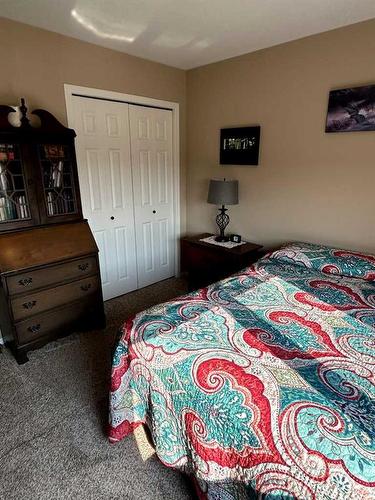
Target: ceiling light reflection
85,22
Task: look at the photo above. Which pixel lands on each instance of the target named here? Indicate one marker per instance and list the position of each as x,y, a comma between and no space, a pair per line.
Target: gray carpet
53,411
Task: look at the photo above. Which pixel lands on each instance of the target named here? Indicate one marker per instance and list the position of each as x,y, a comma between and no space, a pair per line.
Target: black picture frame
351,110
239,145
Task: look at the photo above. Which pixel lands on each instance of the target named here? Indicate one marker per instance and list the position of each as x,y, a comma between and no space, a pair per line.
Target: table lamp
222,193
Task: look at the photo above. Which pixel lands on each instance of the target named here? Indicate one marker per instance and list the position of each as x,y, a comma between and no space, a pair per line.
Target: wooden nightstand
206,263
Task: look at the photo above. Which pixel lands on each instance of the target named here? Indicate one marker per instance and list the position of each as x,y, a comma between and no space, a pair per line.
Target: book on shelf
59,204
68,202
53,151
55,204
22,208
57,172
2,209
4,184
6,155
55,175
55,154
7,209
50,203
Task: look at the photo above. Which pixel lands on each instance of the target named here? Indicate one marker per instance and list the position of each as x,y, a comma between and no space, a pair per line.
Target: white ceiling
188,33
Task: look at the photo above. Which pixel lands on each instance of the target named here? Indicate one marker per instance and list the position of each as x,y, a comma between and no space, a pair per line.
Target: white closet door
104,167
151,153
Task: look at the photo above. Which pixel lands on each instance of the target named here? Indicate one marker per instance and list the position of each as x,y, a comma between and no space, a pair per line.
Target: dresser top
44,245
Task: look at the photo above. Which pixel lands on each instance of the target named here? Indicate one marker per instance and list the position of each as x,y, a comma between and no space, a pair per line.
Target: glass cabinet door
14,199
58,180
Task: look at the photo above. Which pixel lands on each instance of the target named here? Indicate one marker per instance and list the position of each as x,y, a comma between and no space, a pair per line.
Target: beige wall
309,185
36,63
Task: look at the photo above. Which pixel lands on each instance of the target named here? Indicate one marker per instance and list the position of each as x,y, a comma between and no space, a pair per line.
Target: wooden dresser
49,270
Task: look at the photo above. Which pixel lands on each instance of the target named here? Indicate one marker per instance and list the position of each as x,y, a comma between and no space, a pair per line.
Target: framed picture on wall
239,146
351,110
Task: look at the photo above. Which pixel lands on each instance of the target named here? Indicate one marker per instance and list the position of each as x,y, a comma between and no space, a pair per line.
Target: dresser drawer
34,303
22,283
53,322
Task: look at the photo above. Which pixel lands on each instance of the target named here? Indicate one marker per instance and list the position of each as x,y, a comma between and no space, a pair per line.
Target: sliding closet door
151,154
103,156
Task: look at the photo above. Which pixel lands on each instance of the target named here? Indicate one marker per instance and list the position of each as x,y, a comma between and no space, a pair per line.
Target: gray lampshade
223,192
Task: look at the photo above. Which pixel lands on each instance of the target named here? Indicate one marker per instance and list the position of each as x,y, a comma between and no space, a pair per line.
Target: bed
261,385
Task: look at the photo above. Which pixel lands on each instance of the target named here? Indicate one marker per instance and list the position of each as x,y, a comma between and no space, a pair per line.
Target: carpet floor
53,412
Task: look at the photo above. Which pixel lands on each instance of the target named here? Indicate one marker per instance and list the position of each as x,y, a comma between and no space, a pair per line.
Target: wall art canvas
239,146
351,110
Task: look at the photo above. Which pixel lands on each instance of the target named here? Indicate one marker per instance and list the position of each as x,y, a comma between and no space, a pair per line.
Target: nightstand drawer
23,283
34,303
52,322
200,258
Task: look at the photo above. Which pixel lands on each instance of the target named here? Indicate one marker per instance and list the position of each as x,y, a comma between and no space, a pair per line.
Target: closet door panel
104,167
151,154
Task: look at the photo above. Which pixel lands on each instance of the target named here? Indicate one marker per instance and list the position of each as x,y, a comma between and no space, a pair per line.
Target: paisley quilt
328,260
261,385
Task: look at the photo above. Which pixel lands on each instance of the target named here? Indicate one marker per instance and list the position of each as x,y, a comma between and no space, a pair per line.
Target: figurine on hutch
49,270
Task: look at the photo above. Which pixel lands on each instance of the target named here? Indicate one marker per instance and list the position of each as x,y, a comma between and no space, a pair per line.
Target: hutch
49,269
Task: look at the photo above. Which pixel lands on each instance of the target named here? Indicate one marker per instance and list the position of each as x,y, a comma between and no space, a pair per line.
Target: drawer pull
85,288
83,267
25,281
29,305
34,328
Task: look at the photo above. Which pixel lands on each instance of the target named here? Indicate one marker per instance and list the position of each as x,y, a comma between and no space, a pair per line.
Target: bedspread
259,385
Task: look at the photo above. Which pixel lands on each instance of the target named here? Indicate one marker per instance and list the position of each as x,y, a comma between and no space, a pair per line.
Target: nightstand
206,263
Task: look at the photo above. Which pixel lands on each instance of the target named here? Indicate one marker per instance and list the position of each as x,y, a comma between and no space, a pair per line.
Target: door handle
154,211
112,218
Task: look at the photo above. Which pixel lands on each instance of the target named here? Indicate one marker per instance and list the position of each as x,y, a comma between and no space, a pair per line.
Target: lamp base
222,238
222,220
